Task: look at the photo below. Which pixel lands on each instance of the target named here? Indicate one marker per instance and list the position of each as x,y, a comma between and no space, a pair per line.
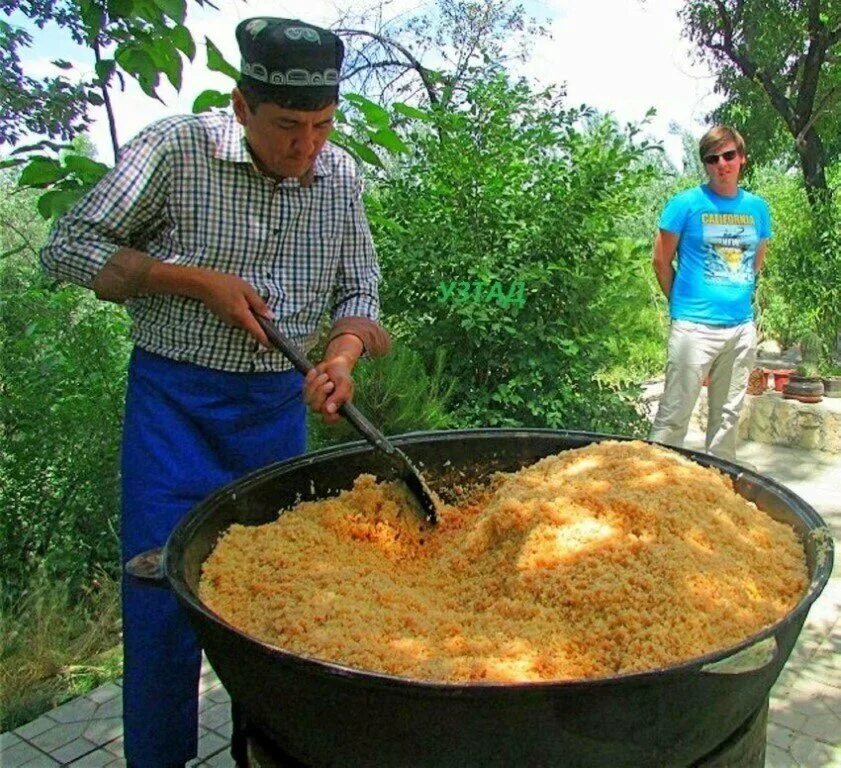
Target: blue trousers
188,431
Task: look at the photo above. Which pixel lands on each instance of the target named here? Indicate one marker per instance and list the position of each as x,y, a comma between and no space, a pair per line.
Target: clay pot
758,381
832,386
781,378
804,389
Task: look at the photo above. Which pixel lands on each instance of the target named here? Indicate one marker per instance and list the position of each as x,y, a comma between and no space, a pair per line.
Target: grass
54,647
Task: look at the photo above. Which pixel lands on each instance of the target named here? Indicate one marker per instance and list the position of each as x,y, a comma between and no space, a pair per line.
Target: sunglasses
728,156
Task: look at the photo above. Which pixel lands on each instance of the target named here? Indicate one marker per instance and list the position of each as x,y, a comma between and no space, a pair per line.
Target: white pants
696,350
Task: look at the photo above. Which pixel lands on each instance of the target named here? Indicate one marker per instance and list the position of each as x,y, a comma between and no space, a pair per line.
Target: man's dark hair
256,94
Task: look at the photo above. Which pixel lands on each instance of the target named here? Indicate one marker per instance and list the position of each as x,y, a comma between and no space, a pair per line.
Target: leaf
167,60
216,61
183,41
362,151
407,111
139,63
92,18
95,99
40,145
105,68
58,201
175,9
209,99
11,163
40,172
62,64
374,114
120,9
387,138
88,170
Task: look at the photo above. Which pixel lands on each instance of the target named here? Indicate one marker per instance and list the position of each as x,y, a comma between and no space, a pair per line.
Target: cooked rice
613,558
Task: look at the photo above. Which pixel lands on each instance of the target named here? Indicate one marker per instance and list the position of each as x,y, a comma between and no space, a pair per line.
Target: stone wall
770,418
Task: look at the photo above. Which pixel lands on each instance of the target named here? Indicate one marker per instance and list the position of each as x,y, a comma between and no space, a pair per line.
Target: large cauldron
328,715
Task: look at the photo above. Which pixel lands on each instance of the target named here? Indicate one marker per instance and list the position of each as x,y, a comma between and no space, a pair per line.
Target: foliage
780,59
62,369
42,638
519,194
809,370
800,288
144,39
396,393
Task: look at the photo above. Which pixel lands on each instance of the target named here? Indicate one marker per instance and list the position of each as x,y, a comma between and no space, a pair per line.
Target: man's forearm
346,345
665,277
131,273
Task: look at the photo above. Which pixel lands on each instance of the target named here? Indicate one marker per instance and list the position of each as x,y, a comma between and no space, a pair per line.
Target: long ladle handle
303,365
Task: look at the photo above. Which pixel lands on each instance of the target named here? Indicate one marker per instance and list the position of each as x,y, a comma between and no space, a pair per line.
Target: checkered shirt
186,191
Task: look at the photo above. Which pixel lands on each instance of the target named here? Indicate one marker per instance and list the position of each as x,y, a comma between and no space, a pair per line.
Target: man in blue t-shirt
719,234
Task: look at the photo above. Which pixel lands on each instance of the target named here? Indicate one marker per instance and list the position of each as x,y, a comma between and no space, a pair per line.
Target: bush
63,357
500,245
799,291
396,393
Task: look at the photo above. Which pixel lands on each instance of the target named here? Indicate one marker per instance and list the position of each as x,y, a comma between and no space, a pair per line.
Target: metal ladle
407,471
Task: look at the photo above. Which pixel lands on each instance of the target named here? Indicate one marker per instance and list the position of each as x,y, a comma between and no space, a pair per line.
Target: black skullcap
290,62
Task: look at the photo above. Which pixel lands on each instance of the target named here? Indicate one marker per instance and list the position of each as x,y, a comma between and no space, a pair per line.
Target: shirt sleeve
673,218
765,229
122,210
358,274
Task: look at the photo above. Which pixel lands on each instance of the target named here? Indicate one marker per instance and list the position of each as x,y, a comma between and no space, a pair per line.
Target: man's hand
233,300
329,385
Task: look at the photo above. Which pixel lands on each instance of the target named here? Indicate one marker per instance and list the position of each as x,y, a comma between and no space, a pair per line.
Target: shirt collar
233,148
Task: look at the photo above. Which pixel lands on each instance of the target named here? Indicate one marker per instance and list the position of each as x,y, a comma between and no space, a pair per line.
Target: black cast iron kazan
325,714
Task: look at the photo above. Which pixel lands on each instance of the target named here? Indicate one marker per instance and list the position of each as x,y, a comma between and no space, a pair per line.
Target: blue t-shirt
715,255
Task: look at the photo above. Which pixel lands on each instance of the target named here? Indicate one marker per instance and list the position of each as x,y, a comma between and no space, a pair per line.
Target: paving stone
36,727
812,754
778,758
210,743
225,730
219,694
115,747
75,749
74,711
111,708
8,739
96,759
58,736
221,759
44,761
118,763
215,716
105,730
207,683
18,754
205,702
105,693
780,714
826,728
780,736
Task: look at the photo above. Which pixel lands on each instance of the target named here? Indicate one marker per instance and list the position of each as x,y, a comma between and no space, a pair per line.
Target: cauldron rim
312,665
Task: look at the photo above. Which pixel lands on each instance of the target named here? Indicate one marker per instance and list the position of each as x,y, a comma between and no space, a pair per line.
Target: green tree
782,58
502,248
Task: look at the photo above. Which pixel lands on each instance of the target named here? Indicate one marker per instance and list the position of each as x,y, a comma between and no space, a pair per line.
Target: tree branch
109,109
413,63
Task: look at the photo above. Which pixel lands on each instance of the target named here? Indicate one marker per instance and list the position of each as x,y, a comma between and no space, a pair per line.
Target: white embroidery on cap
296,33
294,77
256,26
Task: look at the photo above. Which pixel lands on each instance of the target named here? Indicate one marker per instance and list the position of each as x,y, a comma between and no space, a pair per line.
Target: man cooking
205,221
